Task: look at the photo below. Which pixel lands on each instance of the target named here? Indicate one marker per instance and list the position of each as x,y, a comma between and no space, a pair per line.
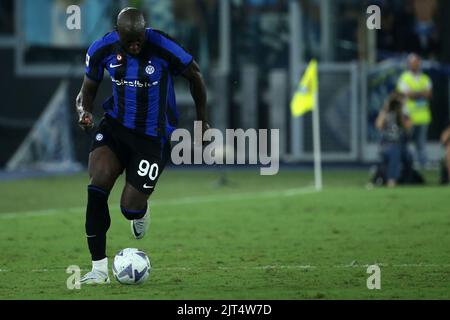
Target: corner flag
304,99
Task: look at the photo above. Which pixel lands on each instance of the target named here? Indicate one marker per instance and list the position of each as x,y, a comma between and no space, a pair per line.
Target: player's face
132,42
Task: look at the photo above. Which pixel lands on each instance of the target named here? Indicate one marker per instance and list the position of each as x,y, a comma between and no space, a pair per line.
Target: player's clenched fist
85,120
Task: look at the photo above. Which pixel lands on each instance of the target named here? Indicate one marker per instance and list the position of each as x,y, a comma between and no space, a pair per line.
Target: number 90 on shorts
144,175
146,168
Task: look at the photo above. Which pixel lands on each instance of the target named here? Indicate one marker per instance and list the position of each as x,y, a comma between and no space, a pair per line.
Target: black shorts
142,157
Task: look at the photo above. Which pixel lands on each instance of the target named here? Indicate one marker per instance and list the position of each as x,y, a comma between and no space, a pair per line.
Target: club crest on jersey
119,57
150,69
99,137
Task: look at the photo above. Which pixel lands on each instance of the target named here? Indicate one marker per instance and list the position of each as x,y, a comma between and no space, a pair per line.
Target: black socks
97,221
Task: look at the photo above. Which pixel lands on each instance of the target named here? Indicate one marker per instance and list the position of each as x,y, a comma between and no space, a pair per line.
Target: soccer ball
131,266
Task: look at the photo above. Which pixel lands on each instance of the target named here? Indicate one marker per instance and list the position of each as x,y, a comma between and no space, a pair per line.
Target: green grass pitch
259,237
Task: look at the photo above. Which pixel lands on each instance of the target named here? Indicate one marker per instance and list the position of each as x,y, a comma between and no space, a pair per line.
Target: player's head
414,62
131,29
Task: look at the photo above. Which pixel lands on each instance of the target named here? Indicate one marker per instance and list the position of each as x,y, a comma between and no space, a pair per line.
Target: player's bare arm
198,92
85,103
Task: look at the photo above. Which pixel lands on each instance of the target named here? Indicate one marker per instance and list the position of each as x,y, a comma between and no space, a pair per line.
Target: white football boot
98,274
95,277
140,226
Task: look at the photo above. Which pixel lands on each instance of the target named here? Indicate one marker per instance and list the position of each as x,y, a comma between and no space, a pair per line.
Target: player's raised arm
85,103
198,91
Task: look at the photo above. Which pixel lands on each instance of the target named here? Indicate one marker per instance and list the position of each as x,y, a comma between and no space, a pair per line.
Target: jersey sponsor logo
134,83
99,137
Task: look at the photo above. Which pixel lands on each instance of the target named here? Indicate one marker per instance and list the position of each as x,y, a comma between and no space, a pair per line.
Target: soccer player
134,134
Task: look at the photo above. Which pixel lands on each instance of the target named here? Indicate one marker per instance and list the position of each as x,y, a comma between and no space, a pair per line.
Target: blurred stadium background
252,54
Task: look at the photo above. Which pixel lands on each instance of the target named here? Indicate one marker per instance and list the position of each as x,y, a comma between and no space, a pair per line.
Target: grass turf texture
250,239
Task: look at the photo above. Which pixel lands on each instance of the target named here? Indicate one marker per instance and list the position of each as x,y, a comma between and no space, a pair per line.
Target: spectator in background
387,35
445,140
159,14
418,30
394,124
191,25
425,32
417,89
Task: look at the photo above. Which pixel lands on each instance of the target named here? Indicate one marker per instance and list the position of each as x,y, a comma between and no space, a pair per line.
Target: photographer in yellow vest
417,89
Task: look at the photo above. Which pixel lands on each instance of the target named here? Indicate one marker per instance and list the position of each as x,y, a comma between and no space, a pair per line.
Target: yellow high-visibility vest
419,110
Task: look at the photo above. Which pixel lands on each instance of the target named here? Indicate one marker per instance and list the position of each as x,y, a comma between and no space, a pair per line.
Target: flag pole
316,141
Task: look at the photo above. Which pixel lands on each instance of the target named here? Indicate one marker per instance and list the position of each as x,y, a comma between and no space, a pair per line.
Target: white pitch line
416,265
286,267
170,202
404,265
37,213
271,267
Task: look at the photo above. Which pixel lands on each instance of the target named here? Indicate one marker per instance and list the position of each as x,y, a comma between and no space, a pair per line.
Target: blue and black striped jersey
143,96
